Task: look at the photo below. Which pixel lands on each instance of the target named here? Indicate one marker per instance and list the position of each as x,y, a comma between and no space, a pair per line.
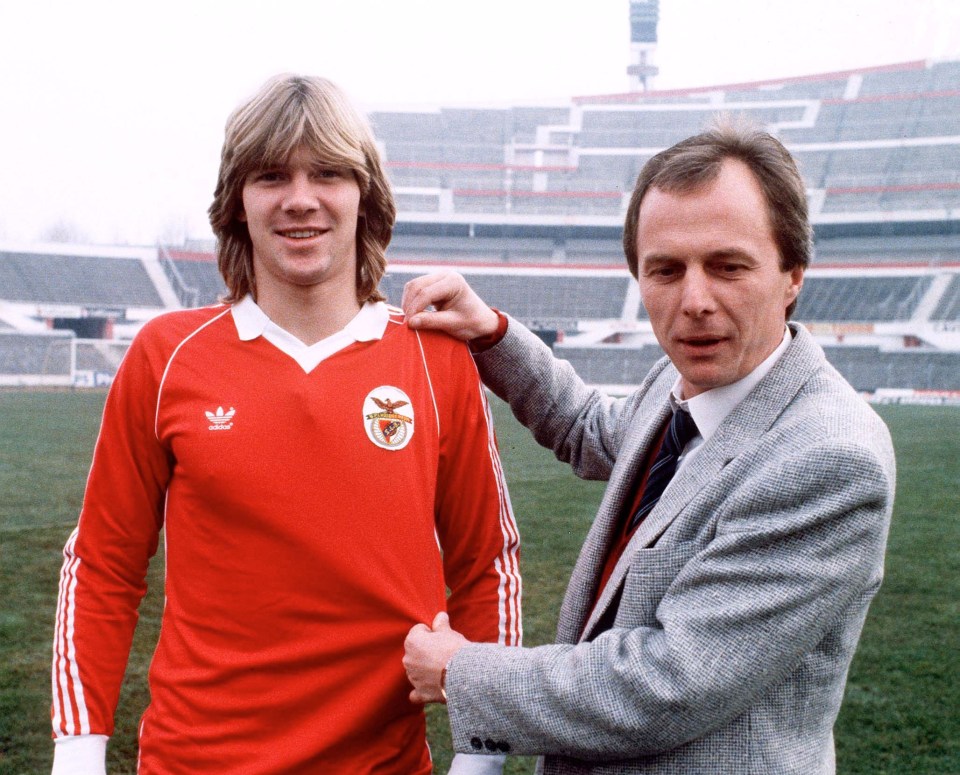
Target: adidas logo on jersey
220,420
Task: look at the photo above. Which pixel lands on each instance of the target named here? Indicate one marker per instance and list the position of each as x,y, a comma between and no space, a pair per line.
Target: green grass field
901,709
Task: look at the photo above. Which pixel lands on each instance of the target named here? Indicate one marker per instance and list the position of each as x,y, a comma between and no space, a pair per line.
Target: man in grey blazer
712,631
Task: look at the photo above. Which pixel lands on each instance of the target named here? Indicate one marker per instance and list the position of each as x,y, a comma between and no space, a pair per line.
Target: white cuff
476,764
80,755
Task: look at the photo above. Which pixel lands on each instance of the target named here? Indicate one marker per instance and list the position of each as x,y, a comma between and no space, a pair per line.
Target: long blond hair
289,112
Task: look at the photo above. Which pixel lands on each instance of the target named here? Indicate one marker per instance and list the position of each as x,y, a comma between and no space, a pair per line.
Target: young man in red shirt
321,473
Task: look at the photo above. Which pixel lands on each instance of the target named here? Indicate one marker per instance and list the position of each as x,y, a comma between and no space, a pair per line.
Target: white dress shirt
710,408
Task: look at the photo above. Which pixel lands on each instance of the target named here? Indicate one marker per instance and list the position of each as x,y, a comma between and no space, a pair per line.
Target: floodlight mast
644,15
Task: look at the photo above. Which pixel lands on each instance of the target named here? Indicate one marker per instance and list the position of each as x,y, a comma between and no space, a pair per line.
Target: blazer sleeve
582,426
474,517
102,579
797,554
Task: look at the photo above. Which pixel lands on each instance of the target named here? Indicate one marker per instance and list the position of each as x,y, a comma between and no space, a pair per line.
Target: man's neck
309,313
711,407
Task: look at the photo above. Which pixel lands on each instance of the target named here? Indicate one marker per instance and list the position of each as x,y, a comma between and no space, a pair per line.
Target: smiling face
302,219
710,278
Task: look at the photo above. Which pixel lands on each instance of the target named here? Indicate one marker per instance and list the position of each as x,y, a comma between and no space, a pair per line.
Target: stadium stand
861,299
907,249
610,365
36,359
528,202
76,279
874,141
869,369
99,357
426,248
556,300
195,276
948,308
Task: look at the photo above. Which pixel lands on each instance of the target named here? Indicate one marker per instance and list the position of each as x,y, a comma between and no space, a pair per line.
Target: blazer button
503,746
490,745
476,743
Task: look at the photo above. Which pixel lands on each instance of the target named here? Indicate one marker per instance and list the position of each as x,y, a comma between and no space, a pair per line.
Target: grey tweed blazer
722,642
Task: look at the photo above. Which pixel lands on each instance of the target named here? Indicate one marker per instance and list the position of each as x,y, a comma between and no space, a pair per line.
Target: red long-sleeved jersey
304,510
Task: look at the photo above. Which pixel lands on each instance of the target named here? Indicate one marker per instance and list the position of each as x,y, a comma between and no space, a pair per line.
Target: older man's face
710,278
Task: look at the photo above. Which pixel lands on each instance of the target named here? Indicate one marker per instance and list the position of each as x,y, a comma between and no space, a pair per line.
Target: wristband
443,683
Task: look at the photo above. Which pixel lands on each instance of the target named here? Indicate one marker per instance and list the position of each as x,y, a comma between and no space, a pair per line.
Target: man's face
710,278
302,219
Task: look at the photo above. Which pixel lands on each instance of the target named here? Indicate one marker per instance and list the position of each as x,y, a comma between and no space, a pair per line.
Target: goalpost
57,359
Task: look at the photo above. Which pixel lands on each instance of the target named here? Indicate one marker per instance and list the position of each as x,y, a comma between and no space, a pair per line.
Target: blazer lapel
742,427
748,421
649,417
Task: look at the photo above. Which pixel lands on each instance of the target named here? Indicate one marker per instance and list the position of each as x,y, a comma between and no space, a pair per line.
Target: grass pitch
899,715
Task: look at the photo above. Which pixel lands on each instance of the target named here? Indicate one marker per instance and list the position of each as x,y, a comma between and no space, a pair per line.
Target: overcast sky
113,112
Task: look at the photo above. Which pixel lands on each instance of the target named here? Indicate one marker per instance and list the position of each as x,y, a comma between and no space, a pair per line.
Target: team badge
388,417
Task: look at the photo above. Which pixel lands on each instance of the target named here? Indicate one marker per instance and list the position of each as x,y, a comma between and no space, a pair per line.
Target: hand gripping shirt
314,509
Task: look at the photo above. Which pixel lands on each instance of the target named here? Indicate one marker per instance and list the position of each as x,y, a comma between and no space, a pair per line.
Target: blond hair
287,113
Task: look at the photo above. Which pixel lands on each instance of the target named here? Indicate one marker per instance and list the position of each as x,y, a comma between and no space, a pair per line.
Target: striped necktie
682,429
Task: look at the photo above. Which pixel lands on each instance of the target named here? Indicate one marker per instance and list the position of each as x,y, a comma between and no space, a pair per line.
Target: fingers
430,290
418,699
415,641
448,321
422,698
426,652
418,662
457,310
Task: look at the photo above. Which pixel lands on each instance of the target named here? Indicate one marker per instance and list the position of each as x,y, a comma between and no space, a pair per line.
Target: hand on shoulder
457,309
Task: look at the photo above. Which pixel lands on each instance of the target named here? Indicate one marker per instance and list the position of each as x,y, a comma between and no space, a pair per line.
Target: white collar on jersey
251,322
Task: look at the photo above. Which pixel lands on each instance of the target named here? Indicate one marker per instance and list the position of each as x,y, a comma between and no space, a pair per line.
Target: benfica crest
388,417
